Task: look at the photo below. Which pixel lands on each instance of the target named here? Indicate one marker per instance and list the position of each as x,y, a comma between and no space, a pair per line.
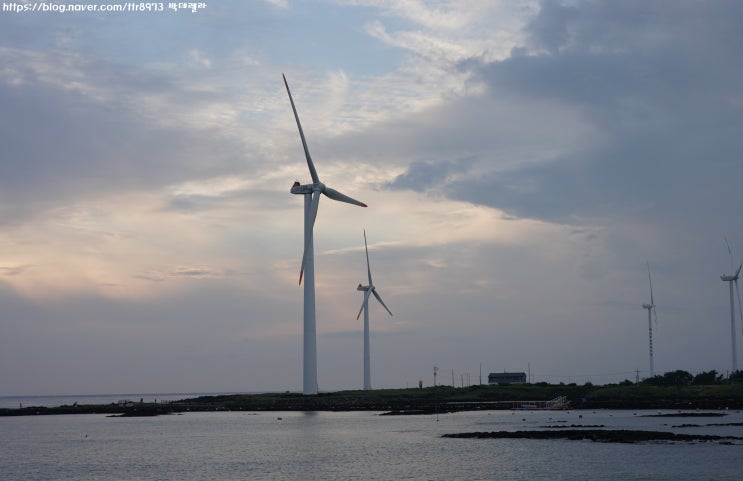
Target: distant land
430,400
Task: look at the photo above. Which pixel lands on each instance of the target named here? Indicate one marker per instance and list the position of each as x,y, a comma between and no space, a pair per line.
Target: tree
672,378
677,378
707,378
656,380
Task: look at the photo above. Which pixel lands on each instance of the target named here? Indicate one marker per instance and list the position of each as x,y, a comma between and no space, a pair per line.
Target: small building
504,378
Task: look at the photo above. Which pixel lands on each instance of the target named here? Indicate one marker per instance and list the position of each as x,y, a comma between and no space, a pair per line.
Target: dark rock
599,435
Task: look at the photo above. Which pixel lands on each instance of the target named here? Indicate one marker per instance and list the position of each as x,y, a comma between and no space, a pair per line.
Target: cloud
73,127
656,105
198,59
422,176
15,270
278,3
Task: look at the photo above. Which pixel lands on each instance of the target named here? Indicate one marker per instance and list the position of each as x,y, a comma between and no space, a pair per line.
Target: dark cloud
658,82
422,175
195,272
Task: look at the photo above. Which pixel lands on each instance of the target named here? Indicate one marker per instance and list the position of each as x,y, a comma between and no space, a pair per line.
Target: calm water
53,401
360,445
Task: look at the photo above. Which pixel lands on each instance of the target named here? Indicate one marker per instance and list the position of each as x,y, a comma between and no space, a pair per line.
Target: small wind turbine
311,194
368,289
733,279
651,308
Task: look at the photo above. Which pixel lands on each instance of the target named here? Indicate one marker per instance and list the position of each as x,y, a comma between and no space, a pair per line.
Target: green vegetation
684,378
673,390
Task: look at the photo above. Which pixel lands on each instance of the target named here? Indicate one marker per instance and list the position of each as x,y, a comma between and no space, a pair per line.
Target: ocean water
354,445
14,402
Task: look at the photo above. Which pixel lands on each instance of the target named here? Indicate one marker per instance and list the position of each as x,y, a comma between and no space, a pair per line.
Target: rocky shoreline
602,436
434,400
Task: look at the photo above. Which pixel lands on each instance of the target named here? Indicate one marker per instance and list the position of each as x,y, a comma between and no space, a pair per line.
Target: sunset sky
522,161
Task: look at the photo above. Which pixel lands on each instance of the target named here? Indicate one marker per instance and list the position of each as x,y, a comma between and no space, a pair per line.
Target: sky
523,163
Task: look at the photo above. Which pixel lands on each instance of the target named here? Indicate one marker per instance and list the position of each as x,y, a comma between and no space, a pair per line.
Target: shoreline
433,400
624,436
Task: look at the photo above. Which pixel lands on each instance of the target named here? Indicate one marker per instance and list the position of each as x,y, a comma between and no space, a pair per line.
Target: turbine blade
379,298
730,254
313,172
313,215
738,271
368,269
335,195
363,304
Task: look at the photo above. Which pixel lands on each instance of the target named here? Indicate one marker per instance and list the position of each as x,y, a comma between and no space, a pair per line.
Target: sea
358,446
14,402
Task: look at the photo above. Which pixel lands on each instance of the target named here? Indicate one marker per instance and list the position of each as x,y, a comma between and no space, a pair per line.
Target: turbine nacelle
734,277
301,189
298,188
648,306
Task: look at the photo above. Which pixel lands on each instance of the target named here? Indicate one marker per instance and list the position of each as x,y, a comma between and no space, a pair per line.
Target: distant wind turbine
368,289
311,194
651,309
733,279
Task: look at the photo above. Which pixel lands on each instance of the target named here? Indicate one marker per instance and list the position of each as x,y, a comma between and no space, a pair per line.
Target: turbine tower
311,194
733,279
651,309
368,289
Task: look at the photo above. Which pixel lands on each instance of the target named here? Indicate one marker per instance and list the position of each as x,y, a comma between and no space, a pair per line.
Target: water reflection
363,445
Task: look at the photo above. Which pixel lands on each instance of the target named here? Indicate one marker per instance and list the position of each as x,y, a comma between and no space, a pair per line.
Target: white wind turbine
651,309
733,279
311,194
368,289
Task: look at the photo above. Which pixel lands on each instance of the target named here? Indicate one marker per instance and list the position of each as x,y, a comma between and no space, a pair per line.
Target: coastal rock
601,436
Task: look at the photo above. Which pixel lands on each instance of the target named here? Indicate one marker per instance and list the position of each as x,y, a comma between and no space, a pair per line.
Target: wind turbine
368,289
651,308
733,279
311,194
